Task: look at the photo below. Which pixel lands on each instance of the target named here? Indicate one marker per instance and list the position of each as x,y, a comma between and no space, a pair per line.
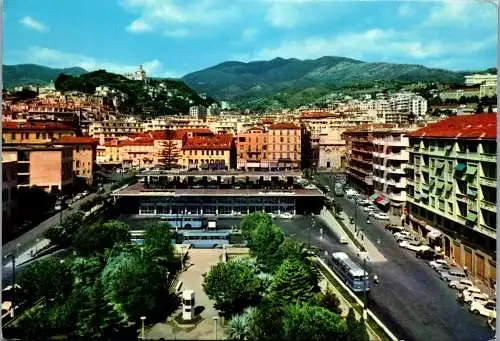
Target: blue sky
173,37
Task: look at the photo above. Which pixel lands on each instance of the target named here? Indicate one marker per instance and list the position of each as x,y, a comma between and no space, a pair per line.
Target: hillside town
420,166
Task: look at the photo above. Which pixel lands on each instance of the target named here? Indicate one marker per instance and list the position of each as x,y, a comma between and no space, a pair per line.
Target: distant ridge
22,74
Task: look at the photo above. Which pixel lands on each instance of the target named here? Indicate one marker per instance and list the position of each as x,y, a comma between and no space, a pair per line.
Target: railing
488,157
488,205
488,181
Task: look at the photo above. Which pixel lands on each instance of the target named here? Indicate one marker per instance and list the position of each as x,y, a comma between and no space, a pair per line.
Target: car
452,274
402,238
286,215
373,213
402,233
428,254
466,293
476,297
488,308
85,193
438,263
492,322
77,197
368,208
394,228
461,284
343,240
382,216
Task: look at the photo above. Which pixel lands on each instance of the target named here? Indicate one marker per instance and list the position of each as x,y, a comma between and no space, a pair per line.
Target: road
410,296
28,240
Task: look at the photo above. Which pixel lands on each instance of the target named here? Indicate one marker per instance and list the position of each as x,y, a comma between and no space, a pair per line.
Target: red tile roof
284,125
23,126
76,140
139,142
267,120
254,128
181,133
480,126
316,114
216,142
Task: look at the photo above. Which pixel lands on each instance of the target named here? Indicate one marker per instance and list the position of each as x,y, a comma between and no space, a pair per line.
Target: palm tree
238,327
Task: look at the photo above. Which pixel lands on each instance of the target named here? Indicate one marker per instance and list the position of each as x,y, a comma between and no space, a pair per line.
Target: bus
137,237
339,191
351,273
187,221
206,239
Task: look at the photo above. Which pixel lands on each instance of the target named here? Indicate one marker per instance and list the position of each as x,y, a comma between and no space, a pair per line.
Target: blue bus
353,275
181,221
137,237
206,239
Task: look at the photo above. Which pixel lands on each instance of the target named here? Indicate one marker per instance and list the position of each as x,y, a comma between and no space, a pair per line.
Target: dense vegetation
157,97
295,82
275,295
24,74
103,289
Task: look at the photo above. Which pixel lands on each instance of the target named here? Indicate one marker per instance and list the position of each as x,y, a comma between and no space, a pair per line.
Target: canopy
439,186
471,170
448,187
471,193
472,216
384,202
374,196
379,199
460,167
424,196
440,164
431,183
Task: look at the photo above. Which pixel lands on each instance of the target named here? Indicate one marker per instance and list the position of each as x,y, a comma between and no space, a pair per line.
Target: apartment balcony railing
410,182
398,197
488,181
488,157
488,205
361,150
398,156
396,170
486,230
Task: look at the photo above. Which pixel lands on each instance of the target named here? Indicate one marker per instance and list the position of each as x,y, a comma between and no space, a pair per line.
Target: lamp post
142,326
36,245
216,318
17,249
61,198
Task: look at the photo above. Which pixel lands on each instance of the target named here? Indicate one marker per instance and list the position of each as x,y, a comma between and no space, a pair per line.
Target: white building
198,111
481,79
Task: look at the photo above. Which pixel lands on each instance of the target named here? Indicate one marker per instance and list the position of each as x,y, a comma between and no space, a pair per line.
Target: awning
448,187
432,182
384,202
424,196
439,164
471,170
379,199
374,196
439,186
434,234
471,193
460,167
472,216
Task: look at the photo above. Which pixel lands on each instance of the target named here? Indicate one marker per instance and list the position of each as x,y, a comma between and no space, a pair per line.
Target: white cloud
174,16
32,24
61,59
283,15
375,43
461,12
249,34
139,26
405,10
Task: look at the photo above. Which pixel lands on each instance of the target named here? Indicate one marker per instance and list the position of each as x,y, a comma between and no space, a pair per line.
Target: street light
216,318
142,326
17,249
36,245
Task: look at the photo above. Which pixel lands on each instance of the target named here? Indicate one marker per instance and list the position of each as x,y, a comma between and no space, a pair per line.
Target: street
410,297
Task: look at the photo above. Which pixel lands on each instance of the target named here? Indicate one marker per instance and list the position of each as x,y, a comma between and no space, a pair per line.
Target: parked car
435,264
464,294
452,274
343,240
461,284
286,215
428,254
492,322
85,193
476,297
413,245
488,308
402,238
373,213
402,233
382,216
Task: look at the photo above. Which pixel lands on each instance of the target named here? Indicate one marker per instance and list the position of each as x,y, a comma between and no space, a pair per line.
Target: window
473,147
13,136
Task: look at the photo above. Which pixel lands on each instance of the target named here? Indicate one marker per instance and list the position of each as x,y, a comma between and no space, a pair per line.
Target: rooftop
284,125
39,125
479,126
216,142
76,140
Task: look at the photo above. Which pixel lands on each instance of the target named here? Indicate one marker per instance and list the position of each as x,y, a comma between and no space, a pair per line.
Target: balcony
396,170
397,197
488,157
488,181
489,206
486,230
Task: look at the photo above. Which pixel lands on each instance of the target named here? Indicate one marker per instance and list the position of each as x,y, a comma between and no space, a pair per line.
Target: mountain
237,80
148,98
23,74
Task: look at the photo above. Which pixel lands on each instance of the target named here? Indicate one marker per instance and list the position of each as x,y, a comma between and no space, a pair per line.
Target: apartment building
109,153
48,167
451,189
390,159
404,104
199,112
284,150
84,157
137,153
9,191
480,79
251,148
456,94
114,128
202,152
359,142
34,132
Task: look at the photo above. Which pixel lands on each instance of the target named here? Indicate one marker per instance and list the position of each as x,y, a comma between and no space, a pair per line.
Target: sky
171,38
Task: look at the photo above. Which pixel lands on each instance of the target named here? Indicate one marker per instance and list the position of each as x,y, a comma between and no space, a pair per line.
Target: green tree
330,301
233,285
264,244
140,287
91,240
49,277
265,321
292,249
158,240
356,329
306,322
98,318
293,282
251,221
86,270
238,327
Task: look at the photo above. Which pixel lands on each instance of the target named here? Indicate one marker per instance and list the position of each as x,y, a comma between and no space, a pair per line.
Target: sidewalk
337,229
27,255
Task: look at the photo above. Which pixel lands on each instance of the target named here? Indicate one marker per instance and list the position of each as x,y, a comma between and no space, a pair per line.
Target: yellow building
217,152
84,156
34,132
